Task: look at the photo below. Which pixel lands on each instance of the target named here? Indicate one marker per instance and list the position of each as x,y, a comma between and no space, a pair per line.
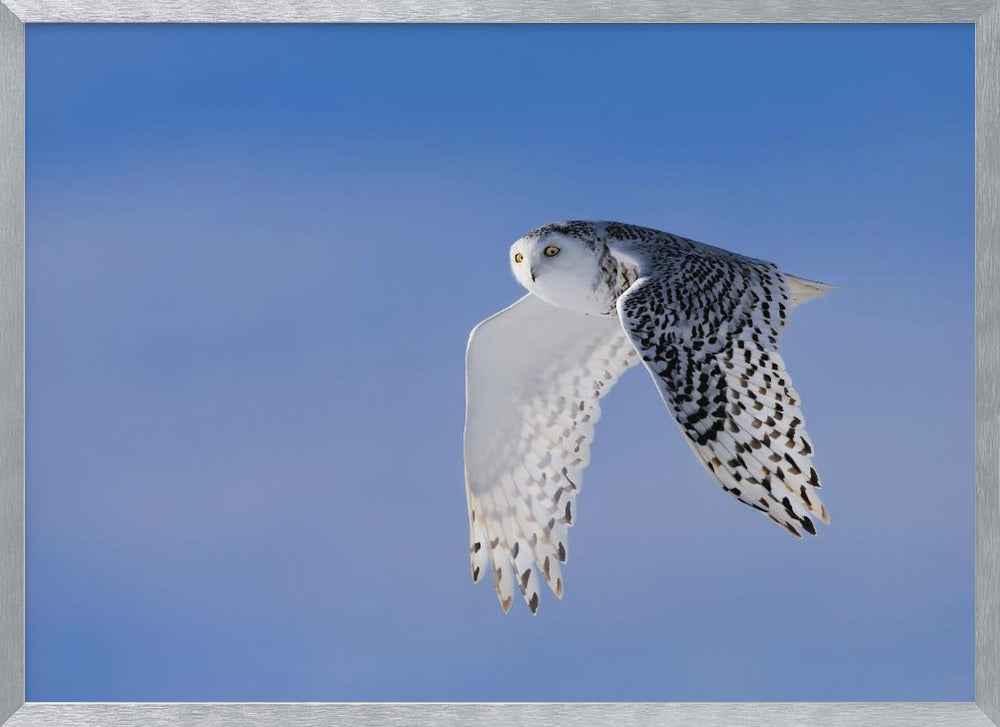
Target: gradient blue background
254,257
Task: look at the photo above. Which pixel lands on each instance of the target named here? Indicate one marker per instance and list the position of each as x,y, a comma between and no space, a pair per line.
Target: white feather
534,374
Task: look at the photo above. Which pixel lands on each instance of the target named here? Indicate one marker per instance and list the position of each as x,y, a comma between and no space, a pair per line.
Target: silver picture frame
14,14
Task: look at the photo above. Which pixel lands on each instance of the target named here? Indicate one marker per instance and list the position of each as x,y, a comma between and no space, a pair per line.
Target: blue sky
254,257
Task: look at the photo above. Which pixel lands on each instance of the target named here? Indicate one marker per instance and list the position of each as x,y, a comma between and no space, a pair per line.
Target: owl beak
532,272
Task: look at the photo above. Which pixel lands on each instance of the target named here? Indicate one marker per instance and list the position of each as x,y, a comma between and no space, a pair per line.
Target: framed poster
250,261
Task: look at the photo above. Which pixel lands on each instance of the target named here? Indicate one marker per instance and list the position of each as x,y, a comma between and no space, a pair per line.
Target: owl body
596,262
602,297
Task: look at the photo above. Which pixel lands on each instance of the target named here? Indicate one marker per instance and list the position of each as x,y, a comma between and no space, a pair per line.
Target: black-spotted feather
715,360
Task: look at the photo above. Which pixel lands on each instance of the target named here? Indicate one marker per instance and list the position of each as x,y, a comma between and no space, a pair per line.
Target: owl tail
802,290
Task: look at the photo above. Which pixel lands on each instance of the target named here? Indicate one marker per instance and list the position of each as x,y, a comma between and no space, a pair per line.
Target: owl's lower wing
710,341
534,375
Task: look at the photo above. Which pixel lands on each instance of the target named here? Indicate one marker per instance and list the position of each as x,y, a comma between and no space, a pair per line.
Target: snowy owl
601,297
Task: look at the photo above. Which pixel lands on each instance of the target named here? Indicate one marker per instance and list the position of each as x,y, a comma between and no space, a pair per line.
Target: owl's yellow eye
518,257
551,251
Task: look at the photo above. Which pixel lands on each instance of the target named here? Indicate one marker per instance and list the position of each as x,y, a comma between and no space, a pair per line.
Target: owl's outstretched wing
706,324
534,375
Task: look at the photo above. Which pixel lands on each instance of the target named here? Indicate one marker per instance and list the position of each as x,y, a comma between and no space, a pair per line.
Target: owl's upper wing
534,375
706,324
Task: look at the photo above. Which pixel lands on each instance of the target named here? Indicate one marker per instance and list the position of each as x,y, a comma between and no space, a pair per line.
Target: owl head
561,264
